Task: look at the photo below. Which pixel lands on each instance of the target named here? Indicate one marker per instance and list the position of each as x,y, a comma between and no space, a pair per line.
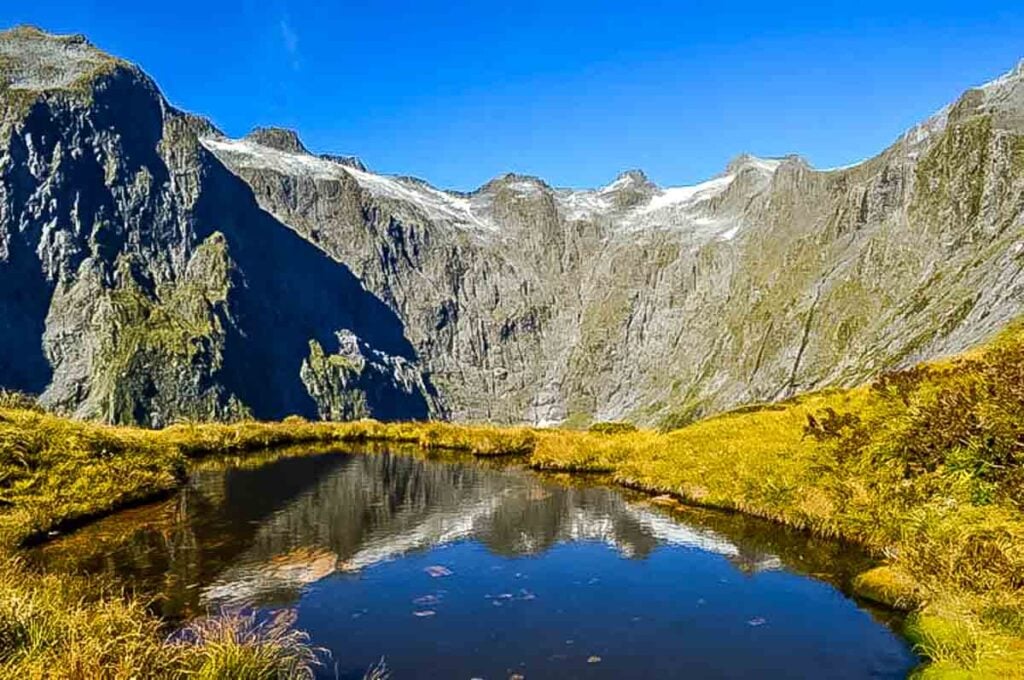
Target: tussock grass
240,646
65,626
61,626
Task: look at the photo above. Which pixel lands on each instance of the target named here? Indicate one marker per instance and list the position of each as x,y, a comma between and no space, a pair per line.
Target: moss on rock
887,585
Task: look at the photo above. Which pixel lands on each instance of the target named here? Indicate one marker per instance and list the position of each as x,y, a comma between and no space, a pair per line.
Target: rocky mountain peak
31,59
281,139
348,161
630,178
629,189
516,183
31,32
1003,98
747,161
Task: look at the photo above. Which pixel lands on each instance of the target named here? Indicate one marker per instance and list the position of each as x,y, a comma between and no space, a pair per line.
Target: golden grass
239,646
889,586
62,626
55,471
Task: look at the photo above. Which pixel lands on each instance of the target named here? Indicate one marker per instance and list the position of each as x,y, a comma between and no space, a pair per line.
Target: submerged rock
438,571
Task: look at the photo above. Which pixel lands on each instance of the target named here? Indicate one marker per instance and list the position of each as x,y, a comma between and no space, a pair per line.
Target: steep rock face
662,305
154,268
139,280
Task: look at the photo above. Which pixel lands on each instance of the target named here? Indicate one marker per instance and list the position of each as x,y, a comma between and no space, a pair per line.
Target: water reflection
461,569
256,535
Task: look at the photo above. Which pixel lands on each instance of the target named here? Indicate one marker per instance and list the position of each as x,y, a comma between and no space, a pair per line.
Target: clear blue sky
457,93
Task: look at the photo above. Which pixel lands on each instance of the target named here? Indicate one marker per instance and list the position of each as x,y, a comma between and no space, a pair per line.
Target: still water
456,569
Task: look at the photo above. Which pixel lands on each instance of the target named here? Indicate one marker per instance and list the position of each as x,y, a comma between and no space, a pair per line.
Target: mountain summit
153,269
277,138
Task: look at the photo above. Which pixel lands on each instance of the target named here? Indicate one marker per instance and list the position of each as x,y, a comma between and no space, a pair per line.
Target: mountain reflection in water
262,535
255,536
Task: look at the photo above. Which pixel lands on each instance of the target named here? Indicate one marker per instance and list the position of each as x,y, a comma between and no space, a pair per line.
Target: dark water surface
454,569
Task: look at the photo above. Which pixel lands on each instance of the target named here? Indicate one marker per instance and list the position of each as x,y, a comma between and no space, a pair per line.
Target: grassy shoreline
56,474
924,468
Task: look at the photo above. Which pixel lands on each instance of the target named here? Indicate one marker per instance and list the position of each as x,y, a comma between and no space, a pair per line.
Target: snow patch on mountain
677,197
435,204
582,205
1010,78
685,208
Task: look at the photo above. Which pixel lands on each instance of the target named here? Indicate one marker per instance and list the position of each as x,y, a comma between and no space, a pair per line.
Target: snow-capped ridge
348,161
746,160
631,202
409,194
514,182
841,168
1010,77
1005,88
630,179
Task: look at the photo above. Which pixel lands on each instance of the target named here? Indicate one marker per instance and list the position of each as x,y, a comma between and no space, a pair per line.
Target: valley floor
924,467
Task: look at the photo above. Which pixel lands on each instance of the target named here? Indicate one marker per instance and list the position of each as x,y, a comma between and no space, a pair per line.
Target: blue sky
574,92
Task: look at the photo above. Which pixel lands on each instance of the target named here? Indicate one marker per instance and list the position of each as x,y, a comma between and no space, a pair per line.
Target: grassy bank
924,467
56,473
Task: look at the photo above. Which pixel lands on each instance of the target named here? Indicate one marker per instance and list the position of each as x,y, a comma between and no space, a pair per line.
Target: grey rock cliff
353,293
663,305
139,279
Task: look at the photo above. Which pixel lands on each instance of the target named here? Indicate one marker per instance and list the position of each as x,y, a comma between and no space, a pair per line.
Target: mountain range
153,269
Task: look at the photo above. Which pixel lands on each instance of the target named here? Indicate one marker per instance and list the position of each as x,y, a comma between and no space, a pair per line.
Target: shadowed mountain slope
142,282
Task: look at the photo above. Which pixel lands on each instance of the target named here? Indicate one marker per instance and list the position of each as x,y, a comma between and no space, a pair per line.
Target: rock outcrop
151,268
